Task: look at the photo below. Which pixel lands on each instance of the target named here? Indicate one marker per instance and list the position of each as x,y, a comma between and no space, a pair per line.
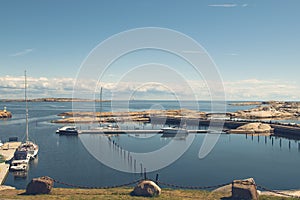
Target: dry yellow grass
119,194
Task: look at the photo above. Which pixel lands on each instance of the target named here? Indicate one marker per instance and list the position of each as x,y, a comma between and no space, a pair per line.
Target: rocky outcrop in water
272,110
249,103
5,114
253,128
137,116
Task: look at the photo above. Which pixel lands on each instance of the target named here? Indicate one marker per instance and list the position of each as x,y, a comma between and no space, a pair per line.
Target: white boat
20,161
174,130
30,147
19,165
67,130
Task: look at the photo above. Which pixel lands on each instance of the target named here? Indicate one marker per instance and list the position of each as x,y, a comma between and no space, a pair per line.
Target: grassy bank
119,193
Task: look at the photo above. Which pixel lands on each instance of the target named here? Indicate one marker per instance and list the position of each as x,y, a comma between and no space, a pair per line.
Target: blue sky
255,44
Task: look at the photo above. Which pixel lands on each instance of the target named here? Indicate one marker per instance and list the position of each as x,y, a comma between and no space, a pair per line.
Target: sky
255,46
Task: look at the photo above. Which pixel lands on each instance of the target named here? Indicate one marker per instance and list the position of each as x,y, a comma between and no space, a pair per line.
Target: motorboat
20,161
68,130
108,126
19,165
174,130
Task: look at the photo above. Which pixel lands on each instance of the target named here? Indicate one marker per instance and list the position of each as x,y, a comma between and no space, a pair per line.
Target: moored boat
20,161
174,130
68,130
30,147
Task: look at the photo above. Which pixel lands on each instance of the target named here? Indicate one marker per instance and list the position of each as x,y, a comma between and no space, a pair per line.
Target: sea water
272,161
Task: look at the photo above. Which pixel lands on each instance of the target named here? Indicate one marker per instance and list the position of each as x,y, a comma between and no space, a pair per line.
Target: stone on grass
244,189
147,188
41,185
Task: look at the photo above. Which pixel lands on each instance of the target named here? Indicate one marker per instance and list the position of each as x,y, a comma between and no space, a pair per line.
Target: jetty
7,150
134,131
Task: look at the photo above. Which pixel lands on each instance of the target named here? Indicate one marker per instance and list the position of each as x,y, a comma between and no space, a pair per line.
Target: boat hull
67,132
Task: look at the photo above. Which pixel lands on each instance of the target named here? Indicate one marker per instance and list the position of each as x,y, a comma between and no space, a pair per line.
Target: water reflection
20,174
272,138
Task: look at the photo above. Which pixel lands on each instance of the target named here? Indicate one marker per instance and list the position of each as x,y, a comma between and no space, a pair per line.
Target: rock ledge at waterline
253,128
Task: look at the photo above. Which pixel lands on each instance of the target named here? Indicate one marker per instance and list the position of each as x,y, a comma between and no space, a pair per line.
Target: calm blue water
233,157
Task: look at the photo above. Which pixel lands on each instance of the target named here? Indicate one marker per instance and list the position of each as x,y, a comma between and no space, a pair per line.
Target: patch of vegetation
1,159
122,194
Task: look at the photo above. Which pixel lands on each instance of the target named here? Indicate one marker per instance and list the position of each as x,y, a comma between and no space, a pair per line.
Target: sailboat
30,147
103,125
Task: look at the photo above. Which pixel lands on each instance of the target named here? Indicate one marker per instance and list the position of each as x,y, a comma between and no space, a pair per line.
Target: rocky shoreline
271,110
248,103
54,100
140,116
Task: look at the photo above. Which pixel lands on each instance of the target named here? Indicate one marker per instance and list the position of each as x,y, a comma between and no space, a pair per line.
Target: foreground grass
120,193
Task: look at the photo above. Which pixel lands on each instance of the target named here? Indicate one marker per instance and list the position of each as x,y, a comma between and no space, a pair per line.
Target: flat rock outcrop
138,116
265,112
253,128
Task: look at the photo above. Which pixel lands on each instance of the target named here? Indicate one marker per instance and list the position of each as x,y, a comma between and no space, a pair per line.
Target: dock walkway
7,151
134,131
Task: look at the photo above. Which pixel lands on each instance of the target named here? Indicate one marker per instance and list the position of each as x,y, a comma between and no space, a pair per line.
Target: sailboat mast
26,105
100,111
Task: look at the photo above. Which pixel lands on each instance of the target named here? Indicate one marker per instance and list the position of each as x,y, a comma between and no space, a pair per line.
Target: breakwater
280,129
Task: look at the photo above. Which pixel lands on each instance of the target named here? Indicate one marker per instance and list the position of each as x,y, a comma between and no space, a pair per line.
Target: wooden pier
135,131
7,151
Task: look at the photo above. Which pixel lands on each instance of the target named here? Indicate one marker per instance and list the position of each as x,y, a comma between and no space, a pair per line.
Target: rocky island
266,110
5,114
248,103
137,116
270,110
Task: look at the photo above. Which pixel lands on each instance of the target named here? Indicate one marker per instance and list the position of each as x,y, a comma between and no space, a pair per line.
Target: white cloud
254,89
231,54
12,87
248,89
193,52
21,53
226,5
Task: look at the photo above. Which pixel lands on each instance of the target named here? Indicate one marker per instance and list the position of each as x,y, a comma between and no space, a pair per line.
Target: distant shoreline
54,100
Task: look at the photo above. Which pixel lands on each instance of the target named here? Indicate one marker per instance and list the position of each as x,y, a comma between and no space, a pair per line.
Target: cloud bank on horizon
250,89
